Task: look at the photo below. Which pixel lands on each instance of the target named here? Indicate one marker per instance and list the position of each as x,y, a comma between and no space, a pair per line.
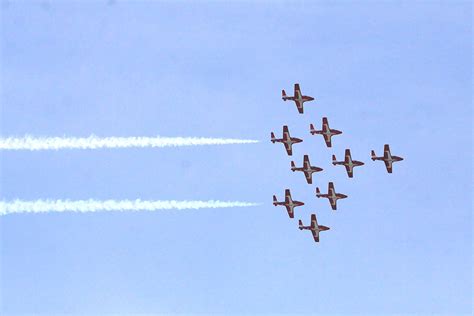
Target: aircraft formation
308,170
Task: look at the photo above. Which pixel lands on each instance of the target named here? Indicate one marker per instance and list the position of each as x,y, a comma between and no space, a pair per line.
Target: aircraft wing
325,127
331,188
287,201
332,192
325,124
297,90
299,105
297,96
315,233
309,177
286,137
349,171
347,155
314,221
386,152
388,165
289,149
327,139
306,163
286,132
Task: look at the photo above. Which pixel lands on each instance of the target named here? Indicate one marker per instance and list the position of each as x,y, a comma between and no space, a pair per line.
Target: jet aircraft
314,227
387,158
325,131
348,163
307,169
332,196
288,203
287,140
298,98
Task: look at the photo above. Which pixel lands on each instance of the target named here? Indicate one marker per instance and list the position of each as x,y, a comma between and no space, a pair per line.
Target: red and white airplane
307,169
298,98
348,163
289,203
314,227
325,131
287,140
387,158
332,196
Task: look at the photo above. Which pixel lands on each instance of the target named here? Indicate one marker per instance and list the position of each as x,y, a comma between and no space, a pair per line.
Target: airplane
307,169
298,98
332,196
387,158
289,203
348,162
287,140
314,227
325,131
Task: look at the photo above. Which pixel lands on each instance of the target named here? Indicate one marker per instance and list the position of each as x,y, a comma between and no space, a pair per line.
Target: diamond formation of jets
332,196
288,203
325,131
287,140
298,98
307,169
313,227
387,158
348,163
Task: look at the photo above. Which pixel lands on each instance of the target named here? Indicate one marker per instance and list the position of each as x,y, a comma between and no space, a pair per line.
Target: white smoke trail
95,142
82,206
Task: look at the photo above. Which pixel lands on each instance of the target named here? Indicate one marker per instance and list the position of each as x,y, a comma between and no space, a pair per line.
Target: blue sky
391,72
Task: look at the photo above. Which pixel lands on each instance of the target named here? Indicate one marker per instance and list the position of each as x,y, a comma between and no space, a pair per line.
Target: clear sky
391,72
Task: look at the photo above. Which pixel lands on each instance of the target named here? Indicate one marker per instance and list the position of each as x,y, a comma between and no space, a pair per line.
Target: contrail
95,142
83,206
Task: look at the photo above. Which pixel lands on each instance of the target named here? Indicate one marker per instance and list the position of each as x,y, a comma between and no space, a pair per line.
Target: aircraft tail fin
317,192
293,166
283,95
372,153
300,224
274,200
272,137
311,128
334,159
